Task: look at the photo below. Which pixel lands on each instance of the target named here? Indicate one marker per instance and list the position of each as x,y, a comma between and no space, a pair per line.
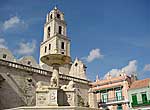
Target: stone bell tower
55,40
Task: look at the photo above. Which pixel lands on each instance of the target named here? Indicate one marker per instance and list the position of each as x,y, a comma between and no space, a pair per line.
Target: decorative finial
76,58
123,71
109,75
97,77
55,7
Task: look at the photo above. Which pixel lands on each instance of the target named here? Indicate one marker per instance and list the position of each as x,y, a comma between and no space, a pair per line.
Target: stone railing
108,101
112,99
23,67
39,71
67,77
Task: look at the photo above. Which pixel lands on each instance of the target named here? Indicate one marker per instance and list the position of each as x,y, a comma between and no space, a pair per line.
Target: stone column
124,90
125,107
110,94
98,97
113,93
115,107
92,100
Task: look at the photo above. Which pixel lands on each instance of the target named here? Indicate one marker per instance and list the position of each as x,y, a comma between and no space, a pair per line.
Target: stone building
18,77
111,93
139,95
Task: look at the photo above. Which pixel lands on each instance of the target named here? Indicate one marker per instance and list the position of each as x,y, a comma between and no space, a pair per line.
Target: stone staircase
12,83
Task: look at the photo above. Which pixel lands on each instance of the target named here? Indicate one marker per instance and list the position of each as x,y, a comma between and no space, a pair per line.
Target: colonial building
139,95
18,77
111,93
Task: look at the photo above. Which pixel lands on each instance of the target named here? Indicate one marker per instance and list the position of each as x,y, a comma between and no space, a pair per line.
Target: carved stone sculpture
54,79
29,91
53,82
70,86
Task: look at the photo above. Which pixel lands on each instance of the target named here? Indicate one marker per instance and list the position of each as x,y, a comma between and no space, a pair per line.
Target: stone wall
20,84
55,108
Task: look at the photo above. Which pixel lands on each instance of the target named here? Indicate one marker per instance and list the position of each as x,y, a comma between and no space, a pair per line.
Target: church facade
19,77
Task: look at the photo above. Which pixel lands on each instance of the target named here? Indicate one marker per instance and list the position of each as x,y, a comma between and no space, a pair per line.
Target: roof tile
140,83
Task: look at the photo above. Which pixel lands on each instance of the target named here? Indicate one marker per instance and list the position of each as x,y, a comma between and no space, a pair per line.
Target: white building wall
138,92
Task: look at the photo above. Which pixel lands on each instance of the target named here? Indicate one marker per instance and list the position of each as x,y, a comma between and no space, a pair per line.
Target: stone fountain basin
56,59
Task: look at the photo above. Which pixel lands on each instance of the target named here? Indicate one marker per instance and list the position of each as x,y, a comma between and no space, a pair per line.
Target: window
4,55
76,64
62,45
134,99
119,107
29,79
118,94
49,47
58,16
29,62
48,32
60,30
62,52
144,98
104,96
45,48
51,16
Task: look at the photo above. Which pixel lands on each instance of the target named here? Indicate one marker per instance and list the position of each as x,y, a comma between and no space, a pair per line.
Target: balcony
109,101
140,103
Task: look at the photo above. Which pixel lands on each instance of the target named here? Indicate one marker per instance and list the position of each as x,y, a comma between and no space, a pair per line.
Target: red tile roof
106,81
140,84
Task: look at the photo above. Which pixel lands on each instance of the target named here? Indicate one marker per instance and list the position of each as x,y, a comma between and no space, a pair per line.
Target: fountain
48,95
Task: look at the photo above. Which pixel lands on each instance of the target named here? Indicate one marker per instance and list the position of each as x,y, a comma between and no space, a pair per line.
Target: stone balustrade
39,71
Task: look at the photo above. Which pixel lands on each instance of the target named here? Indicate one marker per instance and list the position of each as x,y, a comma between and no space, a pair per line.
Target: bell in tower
55,39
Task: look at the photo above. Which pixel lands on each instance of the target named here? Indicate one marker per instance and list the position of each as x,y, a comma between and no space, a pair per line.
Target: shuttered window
134,99
144,98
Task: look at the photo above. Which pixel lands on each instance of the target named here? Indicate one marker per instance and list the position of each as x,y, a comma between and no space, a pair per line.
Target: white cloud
2,43
131,68
94,54
12,22
147,67
113,73
26,48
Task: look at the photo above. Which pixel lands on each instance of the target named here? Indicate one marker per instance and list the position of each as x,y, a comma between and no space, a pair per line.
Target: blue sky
114,34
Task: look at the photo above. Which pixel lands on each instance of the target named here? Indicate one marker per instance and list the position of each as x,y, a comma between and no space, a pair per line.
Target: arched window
48,32
60,30
76,64
51,16
58,16
4,55
45,48
49,47
62,45
29,62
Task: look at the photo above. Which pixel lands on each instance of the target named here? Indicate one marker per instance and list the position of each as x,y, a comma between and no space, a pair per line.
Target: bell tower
55,40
